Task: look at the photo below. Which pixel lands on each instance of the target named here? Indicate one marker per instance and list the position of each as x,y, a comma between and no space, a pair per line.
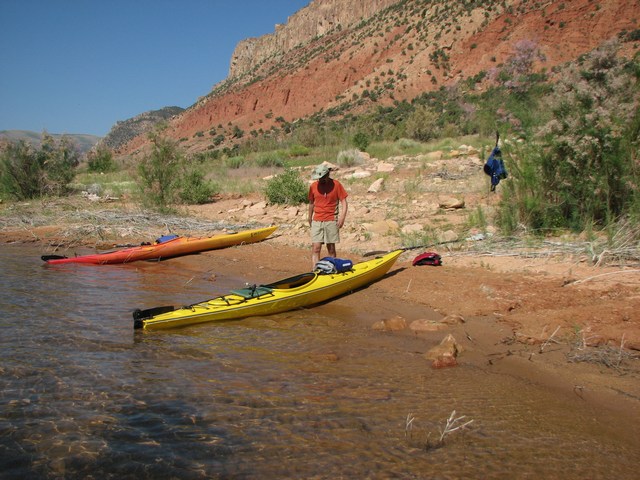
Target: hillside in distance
354,55
125,130
84,142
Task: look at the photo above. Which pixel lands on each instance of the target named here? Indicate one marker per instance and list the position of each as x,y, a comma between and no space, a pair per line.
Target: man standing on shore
327,212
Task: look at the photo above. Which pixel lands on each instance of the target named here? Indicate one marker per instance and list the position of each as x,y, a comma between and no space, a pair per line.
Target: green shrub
360,141
101,160
194,189
582,170
287,188
298,150
408,144
159,172
270,159
234,162
28,172
477,219
422,124
349,158
60,160
21,172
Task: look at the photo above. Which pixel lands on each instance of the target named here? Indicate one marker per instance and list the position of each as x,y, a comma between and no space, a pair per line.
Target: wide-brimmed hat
320,171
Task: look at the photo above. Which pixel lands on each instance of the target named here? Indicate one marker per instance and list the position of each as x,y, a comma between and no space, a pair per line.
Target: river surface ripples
307,394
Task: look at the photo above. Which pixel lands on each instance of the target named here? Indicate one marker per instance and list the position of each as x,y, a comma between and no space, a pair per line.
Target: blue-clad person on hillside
327,211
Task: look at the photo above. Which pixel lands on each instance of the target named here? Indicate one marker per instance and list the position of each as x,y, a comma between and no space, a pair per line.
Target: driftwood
78,225
625,253
619,272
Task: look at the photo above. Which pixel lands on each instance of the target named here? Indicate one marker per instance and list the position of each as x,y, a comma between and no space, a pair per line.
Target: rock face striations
318,18
353,56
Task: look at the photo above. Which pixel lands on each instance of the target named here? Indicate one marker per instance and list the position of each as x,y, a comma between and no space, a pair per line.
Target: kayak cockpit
293,282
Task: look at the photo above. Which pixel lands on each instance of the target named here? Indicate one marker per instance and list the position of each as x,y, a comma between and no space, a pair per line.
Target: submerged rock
392,324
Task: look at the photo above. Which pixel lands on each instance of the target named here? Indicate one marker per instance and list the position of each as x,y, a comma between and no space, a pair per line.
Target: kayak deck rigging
287,294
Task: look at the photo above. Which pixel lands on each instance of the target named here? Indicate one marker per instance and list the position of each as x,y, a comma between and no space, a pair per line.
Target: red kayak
166,247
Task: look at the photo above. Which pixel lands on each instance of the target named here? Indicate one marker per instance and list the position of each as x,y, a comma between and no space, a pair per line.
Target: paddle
380,252
46,258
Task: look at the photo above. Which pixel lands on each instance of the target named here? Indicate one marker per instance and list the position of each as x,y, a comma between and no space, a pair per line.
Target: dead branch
618,272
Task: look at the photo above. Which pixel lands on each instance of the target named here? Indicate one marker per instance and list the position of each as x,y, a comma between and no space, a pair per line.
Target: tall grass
582,169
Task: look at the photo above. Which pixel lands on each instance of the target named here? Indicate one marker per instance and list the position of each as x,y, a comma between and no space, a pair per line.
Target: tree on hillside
518,68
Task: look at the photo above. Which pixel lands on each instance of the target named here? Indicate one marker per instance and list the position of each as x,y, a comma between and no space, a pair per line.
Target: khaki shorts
325,232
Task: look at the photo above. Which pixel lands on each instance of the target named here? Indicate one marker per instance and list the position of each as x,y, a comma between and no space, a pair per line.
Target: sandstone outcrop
356,55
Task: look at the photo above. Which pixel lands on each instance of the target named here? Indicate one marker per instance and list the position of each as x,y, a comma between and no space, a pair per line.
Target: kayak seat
252,292
293,282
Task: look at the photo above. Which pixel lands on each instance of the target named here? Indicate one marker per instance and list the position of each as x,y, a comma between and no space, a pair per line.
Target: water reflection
306,394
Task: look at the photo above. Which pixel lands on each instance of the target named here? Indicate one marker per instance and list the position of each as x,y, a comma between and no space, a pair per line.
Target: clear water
307,394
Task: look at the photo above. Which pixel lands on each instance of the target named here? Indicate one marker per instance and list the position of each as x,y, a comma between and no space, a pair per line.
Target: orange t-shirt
325,198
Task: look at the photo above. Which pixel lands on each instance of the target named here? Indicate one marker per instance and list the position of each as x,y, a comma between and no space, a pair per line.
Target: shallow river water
307,394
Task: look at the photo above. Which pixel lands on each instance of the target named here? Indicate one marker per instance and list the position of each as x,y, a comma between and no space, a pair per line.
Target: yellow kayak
288,294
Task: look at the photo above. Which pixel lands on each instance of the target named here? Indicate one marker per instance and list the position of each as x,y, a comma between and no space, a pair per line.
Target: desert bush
234,162
477,219
349,158
194,189
408,144
582,169
101,160
60,160
159,172
297,150
29,172
517,73
361,141
270,159
287,188
422,124
166,178
21,172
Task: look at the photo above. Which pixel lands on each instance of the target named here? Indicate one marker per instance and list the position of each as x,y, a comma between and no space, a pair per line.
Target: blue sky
79,66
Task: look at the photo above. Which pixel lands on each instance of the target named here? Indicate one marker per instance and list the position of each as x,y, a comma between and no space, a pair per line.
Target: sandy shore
558,322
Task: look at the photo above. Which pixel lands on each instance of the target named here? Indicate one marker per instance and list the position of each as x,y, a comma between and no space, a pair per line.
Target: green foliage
159,172
297,150
583,169
422,124
517,73
477,219
237,132
60,160
287,188
360,141
408,144
270,159
414,239
194,189
21,173
167,178
234,162
349,158
101,160
28,172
